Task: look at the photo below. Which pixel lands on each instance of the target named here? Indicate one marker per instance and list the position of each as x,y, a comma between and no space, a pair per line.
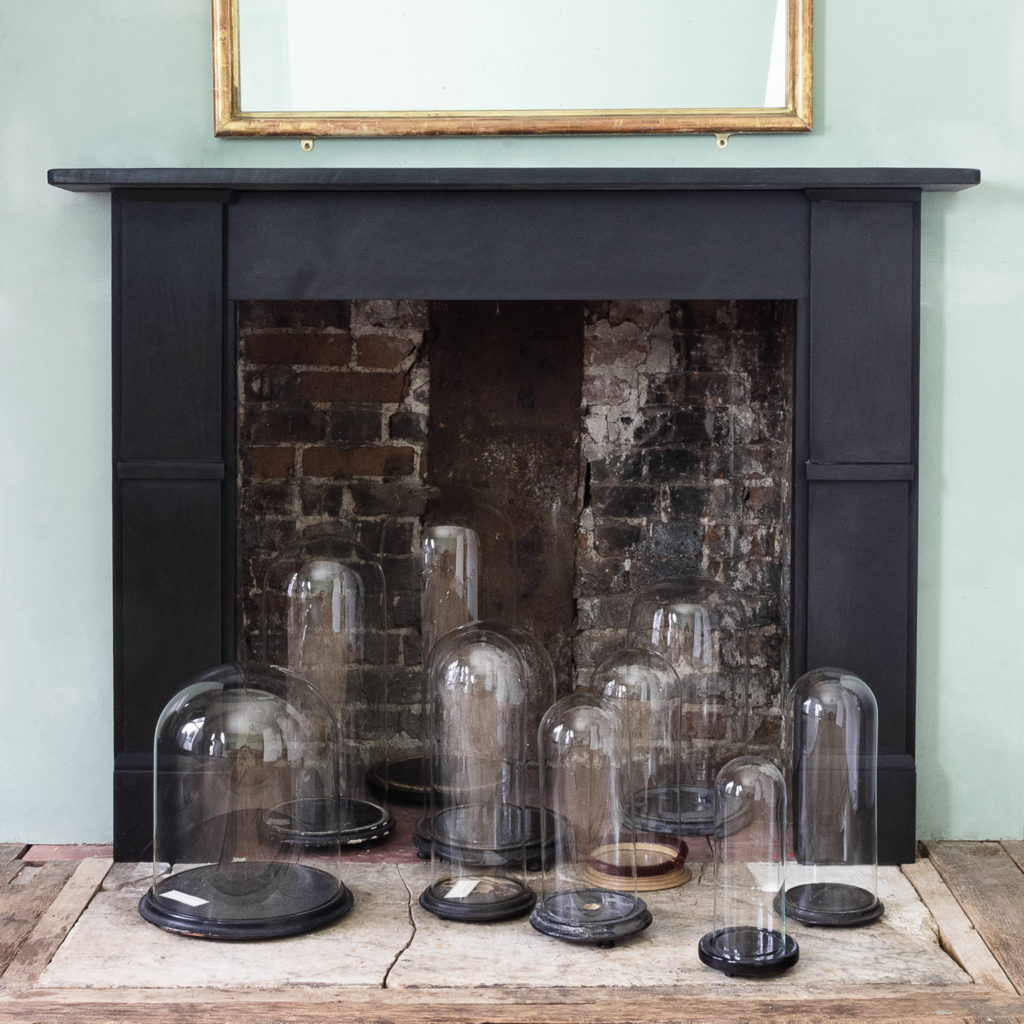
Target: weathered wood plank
990,887
1015,848
55,922
958,936
24,899
10,860
894,1006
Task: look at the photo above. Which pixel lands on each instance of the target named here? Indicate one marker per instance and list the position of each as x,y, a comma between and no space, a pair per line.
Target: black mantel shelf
932,179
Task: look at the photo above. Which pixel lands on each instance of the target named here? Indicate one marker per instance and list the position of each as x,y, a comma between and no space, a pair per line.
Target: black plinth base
478,898
833,905
220,901
449,837
318,824
685,811
596,917
752,952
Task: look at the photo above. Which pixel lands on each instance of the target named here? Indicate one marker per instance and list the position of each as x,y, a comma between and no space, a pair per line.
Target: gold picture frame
232,120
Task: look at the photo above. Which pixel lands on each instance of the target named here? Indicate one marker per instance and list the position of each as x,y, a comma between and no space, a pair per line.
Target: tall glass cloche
325,617
835,766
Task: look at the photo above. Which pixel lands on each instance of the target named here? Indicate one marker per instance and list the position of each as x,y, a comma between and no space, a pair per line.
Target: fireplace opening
627,441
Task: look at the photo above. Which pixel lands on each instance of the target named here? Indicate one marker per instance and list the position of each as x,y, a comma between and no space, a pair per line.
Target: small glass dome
325,617
699,627
231,749
835,764
477,828
647,690
748,936
589,882
469,564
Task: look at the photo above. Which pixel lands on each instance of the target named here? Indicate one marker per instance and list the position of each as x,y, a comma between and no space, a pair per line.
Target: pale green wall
128,82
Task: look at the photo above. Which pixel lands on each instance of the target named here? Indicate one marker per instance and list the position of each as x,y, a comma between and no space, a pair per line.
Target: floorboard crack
412,931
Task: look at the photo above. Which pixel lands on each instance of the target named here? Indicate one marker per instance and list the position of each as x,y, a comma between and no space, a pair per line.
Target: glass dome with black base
748,935
699,627
477,826
589,881
234,745
834,727
325,617
539,684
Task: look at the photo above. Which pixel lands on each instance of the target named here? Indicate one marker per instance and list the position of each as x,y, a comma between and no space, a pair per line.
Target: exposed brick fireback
684,459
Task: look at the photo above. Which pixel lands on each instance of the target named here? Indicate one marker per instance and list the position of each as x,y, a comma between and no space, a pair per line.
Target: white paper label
184,897
463,887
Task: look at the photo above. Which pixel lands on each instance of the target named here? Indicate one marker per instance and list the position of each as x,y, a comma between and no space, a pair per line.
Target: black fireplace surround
190,243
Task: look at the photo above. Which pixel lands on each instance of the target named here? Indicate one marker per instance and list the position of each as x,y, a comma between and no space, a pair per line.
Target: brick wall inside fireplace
661,431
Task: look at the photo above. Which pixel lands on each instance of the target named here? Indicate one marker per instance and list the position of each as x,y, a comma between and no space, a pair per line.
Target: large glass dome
238,750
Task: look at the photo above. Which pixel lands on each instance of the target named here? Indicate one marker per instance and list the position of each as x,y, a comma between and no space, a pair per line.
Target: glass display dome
539,687
748,935
477,827
325,617
699,627
835,763
647,690
231,750
589,891
468,573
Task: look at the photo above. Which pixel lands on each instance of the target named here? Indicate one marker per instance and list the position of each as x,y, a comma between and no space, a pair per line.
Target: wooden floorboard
989,886
957,935
970,1003
1015,848
24,899
10,860
55,922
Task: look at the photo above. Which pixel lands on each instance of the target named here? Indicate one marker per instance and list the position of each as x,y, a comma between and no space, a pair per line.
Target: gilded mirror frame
230,120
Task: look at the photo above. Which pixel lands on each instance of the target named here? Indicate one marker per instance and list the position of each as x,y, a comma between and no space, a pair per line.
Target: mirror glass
555,65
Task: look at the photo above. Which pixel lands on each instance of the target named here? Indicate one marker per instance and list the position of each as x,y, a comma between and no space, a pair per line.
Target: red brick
334,349
344,462
273,463
329,386
382,351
